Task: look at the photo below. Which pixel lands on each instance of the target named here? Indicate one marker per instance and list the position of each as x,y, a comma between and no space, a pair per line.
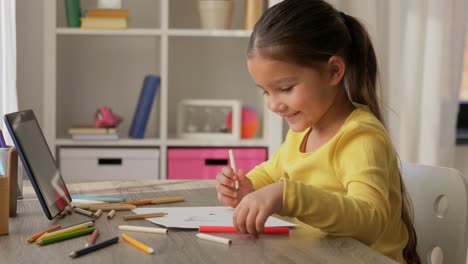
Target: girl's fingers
260,221
251,220
227,200
225,180
226,191
240,215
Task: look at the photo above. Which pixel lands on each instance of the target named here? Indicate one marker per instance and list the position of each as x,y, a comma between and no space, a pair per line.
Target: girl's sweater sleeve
361,159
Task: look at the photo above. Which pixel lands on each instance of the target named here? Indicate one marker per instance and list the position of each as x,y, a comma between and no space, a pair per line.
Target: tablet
38,162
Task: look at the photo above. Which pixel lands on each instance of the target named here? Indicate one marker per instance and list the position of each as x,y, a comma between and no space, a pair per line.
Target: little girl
337,169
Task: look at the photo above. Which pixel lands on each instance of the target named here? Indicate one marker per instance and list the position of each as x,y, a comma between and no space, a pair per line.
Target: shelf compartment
192,75
88,81
125,32
184,14
143,13
206,163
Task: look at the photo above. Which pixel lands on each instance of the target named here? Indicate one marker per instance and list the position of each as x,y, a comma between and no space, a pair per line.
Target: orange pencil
34,237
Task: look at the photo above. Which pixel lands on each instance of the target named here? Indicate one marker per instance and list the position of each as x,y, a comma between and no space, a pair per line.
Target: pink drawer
206,163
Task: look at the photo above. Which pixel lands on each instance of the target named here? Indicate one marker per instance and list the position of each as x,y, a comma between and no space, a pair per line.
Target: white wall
30,44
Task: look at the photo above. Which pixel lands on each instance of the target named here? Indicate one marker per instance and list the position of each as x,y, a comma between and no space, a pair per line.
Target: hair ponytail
360,83
362,67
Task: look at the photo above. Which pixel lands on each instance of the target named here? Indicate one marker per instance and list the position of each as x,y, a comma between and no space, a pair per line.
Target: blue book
143,108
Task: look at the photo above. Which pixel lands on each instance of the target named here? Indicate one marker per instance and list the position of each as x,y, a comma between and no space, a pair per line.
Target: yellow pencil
137,244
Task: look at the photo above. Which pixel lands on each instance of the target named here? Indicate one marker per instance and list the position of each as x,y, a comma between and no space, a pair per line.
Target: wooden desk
302,245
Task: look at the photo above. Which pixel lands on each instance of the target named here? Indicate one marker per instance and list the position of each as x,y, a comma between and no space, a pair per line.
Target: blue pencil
94,247
2,140
99,198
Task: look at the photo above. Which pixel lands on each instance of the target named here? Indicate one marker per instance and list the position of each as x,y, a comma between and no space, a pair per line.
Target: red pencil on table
231,229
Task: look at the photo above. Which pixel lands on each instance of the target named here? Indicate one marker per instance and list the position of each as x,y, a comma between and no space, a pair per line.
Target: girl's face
301,95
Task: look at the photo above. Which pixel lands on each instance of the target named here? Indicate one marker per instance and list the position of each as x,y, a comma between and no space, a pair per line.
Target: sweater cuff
288,200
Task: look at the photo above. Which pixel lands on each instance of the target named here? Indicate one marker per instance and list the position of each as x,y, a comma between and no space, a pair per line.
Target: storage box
108,164
206,163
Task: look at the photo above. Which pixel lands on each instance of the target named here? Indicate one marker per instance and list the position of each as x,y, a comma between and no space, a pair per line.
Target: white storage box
108,164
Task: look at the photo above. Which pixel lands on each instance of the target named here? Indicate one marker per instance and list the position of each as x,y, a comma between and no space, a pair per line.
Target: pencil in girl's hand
137,244
233,165
92,238
34,237
94,247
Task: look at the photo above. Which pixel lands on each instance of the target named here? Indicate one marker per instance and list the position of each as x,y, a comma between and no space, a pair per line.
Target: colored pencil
107,207
34,237
163,200
109,199
137,244
92,238
66,236
94,247
143,216
154,230
66,230
233,165
212,238
231,229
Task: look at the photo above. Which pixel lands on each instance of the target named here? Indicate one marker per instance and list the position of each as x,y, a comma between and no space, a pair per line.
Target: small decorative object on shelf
199,118
112,4
249,122
104,118
216,14
253,11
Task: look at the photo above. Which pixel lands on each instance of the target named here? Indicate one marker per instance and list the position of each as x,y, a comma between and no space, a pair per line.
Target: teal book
73,12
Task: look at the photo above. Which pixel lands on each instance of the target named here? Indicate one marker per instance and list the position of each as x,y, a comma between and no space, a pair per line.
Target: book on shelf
100,12
104,22
144,105
91,130
110,136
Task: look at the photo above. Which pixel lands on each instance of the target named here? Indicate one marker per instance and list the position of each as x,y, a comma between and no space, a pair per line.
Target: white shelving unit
86,69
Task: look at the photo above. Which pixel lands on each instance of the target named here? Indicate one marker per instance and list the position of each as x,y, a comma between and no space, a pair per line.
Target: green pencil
67,236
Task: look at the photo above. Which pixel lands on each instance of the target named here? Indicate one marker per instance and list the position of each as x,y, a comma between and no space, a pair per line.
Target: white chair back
439,199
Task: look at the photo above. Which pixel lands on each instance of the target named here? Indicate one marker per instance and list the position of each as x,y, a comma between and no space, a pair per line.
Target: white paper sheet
193,217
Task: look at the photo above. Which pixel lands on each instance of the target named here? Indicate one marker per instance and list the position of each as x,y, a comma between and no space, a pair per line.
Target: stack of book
93,133
105,19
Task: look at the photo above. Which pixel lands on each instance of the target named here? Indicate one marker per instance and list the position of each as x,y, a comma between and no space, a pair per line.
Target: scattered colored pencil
137,244
66,236
34,237
94,247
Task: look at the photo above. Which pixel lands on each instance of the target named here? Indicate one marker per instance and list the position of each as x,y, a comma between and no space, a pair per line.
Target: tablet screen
38,162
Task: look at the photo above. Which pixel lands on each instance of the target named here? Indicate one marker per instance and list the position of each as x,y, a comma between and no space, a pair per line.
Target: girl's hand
227,193
253,211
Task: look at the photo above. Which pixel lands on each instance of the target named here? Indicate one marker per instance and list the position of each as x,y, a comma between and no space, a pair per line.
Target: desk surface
303,245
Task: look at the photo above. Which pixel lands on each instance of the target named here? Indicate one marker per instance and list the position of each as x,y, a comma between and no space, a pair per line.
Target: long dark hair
308,33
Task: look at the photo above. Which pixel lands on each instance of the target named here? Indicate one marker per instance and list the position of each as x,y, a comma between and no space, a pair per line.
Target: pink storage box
206,163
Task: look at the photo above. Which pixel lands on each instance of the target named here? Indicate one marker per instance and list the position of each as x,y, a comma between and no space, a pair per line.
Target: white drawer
96,164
